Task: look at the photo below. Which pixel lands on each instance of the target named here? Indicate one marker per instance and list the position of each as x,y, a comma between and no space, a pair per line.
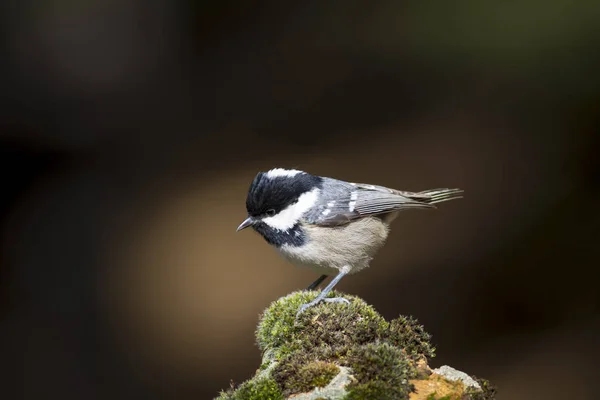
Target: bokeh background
130,132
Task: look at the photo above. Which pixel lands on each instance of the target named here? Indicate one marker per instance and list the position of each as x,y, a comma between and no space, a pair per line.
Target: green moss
320,373
304,352
254,389
375,390
277,322
330,325
487,392
405,332
381,371
295,376
353,335
433,396
225,395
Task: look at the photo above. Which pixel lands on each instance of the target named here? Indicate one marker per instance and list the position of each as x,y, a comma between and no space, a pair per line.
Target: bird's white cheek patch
289,216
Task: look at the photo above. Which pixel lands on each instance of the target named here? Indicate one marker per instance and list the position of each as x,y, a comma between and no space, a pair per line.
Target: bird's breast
327,249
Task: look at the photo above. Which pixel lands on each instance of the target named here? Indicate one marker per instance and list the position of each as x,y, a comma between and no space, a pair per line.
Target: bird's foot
336,300
316,301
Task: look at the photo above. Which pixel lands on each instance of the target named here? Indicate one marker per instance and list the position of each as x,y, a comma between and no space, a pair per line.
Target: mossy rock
326,326
345,351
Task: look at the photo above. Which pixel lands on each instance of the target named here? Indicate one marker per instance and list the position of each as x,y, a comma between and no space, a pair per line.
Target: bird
331,226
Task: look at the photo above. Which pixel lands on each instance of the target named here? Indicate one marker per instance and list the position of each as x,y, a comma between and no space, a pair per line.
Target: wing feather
363,200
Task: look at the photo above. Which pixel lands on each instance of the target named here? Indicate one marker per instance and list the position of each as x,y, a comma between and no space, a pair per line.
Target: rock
456,375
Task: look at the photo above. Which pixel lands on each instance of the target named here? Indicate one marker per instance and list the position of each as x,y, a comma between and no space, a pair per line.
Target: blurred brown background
130,132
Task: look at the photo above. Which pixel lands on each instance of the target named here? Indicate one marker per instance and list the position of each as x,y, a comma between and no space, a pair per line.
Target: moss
295,376
277,322
353,335
406,332
385,360
434,396
487,392
225,395
320,373
295,372
330,325
381,371
254,389
375,390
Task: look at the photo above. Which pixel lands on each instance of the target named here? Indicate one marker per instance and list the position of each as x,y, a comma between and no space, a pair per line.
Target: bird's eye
270,212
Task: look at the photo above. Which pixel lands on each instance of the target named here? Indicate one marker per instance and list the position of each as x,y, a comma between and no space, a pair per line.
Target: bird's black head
275,190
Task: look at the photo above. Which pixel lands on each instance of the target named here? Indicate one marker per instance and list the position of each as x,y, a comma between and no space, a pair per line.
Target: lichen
436,387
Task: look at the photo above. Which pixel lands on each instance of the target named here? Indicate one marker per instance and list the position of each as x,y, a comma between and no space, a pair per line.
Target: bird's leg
324,292
316,283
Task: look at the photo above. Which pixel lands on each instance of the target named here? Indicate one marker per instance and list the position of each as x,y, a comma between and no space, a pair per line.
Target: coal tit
331,226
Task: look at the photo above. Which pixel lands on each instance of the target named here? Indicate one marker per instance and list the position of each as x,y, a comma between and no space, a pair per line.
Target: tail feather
434,196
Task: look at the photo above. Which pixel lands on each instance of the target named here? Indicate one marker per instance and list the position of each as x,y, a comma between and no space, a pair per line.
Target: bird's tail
435,196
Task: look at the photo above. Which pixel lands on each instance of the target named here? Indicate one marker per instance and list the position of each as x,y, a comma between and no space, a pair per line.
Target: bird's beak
247,222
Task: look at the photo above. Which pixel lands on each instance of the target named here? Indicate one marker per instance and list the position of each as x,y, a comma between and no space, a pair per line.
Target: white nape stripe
289,216
277,172
326,211
331,204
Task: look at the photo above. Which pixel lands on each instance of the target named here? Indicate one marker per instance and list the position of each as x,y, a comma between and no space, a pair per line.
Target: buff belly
328,249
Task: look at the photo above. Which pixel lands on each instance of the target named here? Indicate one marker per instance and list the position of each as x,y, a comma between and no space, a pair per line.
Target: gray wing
342,202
